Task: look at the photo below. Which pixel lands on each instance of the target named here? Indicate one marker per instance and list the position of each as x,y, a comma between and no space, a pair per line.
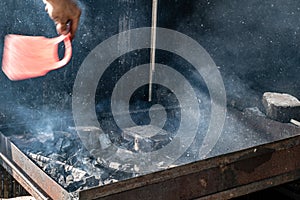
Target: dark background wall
50,96
255,44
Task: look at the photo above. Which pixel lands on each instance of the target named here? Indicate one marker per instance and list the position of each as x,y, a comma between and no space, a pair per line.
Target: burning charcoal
36,146
146,138
90,136
105,148
92,167
78,172
71,184
51,171
90,181
61,134
104,153
58,144
143,144
53,156
102,162
69,179
61,180
66,146
110,181
115,165
74,186
281,107
44,136
105,175
104,141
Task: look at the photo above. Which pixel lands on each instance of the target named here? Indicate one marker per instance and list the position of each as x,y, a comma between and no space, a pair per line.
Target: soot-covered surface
255,45
63,157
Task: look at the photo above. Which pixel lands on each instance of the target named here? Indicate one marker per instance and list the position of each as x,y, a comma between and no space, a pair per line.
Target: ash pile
63,157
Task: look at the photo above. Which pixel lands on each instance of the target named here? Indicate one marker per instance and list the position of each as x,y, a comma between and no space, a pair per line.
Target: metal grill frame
222,177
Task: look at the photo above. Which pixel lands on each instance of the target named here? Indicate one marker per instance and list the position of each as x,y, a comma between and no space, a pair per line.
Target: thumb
62,28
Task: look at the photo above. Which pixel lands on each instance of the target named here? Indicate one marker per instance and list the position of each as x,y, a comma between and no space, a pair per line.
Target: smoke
254,43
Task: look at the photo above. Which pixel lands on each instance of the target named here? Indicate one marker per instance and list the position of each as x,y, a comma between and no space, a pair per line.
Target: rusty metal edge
218,163
21,178
253,187
29,175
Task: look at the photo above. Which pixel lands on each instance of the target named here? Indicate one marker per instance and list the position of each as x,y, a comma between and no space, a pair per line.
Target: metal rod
153,46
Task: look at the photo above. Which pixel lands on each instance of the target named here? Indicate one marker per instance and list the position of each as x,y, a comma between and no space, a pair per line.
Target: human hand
65,14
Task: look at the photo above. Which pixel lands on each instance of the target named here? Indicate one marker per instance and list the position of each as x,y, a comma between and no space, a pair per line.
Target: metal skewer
153,46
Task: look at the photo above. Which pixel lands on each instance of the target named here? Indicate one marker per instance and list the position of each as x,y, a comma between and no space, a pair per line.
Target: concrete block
281,107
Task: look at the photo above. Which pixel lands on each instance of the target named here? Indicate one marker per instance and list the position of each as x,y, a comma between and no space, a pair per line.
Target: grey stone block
281,107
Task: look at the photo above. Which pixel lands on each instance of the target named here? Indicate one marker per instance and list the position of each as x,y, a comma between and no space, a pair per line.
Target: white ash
61,155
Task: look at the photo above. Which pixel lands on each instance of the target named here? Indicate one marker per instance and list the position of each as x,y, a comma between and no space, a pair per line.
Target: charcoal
69,179
115,165
77,175
74,186
45,136
89,136
61,180
93,171
110,181
105,175
66,145
58,144
104,141
281,107
63,157
104,153
56,157
91,181
146,138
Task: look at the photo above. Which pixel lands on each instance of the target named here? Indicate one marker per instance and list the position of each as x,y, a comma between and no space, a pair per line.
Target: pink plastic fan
27,57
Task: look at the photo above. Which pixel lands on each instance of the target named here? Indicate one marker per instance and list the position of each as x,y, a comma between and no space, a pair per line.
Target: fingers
62,28
68,26
65,14
74,25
